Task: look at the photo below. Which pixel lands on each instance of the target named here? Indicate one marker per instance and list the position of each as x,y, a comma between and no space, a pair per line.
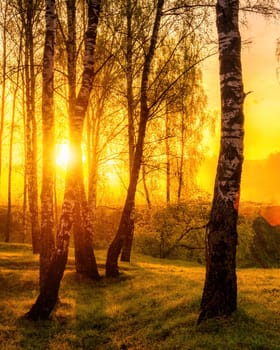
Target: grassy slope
154,305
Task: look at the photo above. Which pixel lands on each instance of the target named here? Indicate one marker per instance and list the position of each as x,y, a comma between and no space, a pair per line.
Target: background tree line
178,102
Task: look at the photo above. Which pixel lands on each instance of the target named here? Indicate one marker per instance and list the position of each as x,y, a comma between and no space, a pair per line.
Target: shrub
176,231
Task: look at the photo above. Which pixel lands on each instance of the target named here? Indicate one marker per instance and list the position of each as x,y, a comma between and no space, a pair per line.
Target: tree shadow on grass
79,320
241,331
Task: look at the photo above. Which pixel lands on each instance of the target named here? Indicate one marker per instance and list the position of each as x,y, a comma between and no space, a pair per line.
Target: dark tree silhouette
126,225
220,289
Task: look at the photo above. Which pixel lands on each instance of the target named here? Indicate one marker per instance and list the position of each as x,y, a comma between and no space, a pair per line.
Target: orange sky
262,106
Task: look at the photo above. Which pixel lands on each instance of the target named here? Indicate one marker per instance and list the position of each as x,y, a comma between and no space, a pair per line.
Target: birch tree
74,203
11,143
126,252
125,229
30,15
220,289
47,195
82,218
4,11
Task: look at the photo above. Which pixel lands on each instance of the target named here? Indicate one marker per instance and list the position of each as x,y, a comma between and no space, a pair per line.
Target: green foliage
154,305
266,243
167,233
175,231
105,226
16,231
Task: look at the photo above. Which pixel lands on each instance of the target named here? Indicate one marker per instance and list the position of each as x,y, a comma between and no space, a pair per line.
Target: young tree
4,13
82,215
220,289
126,250
48,172
12,131
102,124
74,203
126,224
168,155
30,15
82,218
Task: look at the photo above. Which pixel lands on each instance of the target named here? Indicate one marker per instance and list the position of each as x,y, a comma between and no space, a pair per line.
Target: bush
175,231
166,232
106,225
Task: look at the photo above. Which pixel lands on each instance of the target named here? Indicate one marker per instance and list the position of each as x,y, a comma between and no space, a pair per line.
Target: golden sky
262,106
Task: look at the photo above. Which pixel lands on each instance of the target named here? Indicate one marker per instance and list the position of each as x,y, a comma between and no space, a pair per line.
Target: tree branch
176,243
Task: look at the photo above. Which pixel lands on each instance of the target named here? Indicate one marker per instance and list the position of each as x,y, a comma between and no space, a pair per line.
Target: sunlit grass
154,305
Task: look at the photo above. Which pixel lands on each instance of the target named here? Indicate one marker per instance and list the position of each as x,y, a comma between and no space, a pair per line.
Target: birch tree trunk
27,10
127,219
3,78
146,190
93,130
180,161
32,157
168,156
74,203
10,168
82,220
83,223
129,83
127,245
48,171
220,289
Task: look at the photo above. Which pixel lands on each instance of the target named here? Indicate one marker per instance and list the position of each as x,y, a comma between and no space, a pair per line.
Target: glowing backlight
62,154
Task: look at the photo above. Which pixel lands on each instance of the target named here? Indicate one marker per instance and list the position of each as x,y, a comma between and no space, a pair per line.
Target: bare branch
164,92
176,243
267,10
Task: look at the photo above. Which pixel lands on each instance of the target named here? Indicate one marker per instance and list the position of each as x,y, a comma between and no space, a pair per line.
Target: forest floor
153,305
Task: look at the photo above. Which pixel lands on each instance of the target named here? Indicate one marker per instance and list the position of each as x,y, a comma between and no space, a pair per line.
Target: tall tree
12,131
9,204
29,12
74,202
103,125
48,172
4,12
126,252
82,219
82,224
127,219
132,28
220,290
168,156
129,84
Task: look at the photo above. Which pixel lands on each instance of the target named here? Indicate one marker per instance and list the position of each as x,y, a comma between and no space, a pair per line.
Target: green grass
154,305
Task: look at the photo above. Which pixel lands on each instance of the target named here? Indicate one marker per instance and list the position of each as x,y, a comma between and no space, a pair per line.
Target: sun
62,154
